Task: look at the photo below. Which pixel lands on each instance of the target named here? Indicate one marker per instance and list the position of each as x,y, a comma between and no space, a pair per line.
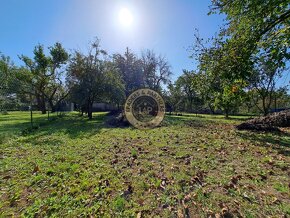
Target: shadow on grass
71,125
74,126
279,140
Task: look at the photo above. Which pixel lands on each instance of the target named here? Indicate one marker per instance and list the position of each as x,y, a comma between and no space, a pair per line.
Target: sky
164,26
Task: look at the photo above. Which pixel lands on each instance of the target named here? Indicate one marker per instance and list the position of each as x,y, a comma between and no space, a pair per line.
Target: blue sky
165,26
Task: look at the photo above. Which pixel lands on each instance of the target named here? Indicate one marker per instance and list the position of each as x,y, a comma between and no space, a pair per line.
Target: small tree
230,98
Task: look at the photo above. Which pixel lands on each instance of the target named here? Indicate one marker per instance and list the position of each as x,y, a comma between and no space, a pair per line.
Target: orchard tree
43,76
114,85
7,94
174,98
11,95
156,70
190,86
253,27
208,85
251,99
230,98
130,68
267,70
92,78
150,70
217,77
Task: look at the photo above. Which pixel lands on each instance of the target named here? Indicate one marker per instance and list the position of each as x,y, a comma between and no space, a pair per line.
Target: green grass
71,166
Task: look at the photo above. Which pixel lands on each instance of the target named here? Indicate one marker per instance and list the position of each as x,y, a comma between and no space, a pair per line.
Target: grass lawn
189,167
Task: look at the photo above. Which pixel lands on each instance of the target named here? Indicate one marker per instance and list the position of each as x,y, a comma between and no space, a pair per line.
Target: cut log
271,122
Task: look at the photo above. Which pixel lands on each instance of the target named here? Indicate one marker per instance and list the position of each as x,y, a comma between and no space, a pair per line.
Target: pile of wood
271,122
117,120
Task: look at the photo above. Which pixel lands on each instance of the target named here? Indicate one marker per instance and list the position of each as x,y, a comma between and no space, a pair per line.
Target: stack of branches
271,122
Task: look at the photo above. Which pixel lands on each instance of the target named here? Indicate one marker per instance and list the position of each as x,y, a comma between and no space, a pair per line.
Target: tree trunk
90,111
41,104
265,109
267,123
226,113
211,108
52,106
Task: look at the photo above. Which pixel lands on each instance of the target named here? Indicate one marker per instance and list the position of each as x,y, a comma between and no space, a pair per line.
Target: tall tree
130,68
156,70
267,70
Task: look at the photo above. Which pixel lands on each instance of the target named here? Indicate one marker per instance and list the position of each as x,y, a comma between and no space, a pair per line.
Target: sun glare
125,17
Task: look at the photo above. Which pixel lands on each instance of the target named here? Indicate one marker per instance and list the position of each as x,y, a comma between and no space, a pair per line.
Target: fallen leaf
36,169
180,213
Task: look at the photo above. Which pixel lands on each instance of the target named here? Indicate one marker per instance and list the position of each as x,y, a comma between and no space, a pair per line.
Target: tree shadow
279,141
71,125
76,126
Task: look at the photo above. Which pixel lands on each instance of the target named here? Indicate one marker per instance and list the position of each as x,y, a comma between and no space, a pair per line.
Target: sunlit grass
72,166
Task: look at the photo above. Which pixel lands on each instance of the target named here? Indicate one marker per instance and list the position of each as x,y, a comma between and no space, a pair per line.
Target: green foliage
253,26
256,28
253,46
149,70
92,78
119,204
173,98
189,85
230,98
42,77
130,68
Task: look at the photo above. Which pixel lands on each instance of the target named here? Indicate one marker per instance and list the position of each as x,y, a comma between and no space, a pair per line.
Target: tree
150,70
43,77
174,98
220,84
189,85
11,97
131,70
114,85
267,70
6,89
156,70
208,85
91,78
252,27
250,99
230,98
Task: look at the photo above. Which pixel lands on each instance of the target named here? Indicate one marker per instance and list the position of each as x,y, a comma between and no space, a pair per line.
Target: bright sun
125,17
